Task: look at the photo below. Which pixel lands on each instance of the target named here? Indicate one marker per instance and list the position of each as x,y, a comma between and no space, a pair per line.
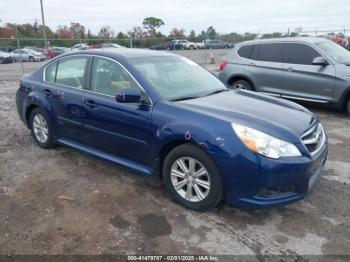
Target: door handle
47,92
90,104
290,69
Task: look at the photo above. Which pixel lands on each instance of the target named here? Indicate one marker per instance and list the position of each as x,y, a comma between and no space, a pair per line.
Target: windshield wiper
184,98
217,91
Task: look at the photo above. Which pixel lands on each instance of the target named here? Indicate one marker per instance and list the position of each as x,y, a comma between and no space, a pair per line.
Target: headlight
264,144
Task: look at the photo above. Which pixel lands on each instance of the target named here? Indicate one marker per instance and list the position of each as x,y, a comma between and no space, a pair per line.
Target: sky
256,16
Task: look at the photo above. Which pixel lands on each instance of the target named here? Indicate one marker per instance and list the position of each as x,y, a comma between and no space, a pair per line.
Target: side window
108,77
50,72
270,52
299,54
70,71
245,51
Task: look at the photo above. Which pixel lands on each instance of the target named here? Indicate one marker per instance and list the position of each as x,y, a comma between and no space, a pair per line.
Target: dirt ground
62,201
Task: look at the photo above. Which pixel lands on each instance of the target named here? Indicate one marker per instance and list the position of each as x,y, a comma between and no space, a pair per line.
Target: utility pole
43,22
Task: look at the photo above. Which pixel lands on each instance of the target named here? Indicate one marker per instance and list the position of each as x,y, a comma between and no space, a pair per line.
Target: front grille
276,191
314,138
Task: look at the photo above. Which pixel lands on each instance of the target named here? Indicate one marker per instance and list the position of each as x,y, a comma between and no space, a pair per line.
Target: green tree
211,32
152,23
192,34
121,35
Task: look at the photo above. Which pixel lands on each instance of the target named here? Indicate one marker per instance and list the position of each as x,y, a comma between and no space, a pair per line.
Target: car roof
309,40
126,53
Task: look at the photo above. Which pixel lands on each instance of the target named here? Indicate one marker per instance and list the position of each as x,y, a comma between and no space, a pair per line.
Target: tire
348,106
38,135
209,182
242,84
191,47
31,59
2,60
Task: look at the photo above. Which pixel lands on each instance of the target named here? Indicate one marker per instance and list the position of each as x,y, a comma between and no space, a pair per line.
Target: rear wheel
41,128
242,84
348,106
192,178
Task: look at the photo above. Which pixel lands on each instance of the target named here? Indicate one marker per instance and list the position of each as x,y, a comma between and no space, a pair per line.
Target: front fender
218,140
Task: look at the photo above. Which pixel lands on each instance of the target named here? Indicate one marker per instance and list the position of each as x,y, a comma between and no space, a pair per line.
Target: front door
122,129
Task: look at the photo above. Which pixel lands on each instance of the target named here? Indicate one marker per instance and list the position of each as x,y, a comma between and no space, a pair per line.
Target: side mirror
320,61
128,95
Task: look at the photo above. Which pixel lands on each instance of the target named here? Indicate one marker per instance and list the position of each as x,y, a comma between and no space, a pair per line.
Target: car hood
278,117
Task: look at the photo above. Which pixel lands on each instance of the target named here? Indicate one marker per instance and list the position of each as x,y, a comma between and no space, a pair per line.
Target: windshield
177,78
338,53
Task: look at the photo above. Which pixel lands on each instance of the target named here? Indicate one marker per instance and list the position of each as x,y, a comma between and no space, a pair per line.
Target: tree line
145,35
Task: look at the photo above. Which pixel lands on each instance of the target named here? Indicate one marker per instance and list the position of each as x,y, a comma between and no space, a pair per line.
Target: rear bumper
255,181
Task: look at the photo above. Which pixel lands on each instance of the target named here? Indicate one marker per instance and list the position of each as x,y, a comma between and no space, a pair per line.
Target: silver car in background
27,55
305,69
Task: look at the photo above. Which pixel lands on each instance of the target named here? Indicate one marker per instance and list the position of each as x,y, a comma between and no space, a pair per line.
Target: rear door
302,79
267,68
64,86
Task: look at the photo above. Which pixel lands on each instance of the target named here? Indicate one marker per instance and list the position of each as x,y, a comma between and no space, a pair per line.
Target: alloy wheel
190,179
40,128
239,86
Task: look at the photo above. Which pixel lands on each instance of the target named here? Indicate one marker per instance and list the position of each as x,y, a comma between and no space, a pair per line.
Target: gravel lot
62,201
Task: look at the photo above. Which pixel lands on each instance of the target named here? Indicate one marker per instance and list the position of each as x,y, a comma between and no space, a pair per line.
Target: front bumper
252,180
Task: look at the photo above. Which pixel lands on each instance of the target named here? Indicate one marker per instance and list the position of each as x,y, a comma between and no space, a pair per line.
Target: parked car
166,46
185,44
113,45
170,119
201,45
38,56
8,49
214,44
34,48
56,51
23,55
77,46
305,69
5,58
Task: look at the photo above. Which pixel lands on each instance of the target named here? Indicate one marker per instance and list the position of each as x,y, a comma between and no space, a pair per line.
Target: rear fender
35,98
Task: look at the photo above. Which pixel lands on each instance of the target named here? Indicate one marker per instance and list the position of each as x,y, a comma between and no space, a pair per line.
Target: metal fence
207,58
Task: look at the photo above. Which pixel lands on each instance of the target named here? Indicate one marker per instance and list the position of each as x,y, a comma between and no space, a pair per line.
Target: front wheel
192,178
31,59
242,84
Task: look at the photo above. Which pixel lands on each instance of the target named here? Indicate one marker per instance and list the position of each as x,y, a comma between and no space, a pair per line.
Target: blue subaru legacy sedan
168,118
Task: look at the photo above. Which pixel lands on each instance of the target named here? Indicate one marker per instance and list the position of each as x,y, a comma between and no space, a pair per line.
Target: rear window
245,51
70,71
301,54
